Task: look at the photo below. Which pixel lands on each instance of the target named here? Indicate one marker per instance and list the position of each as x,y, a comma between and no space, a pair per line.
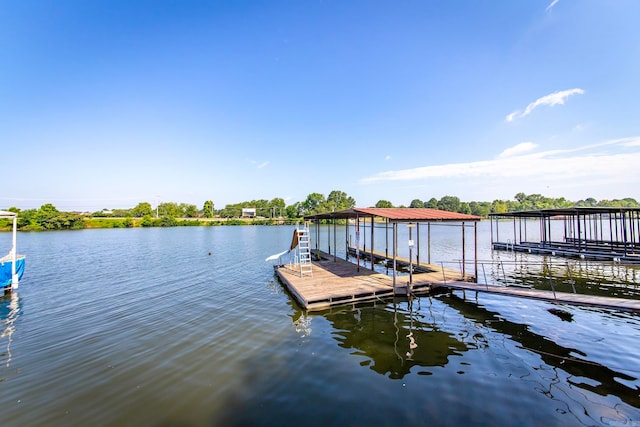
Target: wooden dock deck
338,282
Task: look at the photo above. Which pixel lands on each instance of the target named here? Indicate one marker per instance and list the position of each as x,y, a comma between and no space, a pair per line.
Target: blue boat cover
5,271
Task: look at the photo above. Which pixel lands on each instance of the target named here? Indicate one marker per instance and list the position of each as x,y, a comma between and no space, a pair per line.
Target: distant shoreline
122,222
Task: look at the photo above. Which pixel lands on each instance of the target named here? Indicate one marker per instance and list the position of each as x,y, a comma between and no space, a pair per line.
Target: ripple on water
144,327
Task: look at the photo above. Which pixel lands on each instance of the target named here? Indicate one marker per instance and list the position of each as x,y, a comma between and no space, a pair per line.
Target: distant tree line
521,202
169,214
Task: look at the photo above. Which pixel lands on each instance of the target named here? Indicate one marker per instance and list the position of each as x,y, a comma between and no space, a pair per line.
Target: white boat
12,264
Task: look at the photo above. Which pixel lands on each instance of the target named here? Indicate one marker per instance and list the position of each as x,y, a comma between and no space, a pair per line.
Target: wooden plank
338,281
334,283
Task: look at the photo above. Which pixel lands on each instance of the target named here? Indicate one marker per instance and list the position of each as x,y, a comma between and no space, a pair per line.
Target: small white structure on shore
248,212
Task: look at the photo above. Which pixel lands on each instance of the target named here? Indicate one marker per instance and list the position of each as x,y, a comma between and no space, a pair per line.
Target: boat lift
12,264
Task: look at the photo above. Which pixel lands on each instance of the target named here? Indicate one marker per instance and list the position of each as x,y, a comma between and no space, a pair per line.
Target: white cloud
523,147
580,127
555,98
609,161
553,3
387,157
259,165
510,117
629,142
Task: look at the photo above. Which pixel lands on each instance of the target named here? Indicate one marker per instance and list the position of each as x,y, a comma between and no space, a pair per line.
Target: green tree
312,203
464,208
208,209
337,201
27,218
147,221
44,216
294,211
276,207
170,210
480,208
231,210
142,209
416,203
188,210
432,203
384,204
449,203
499,206
167,221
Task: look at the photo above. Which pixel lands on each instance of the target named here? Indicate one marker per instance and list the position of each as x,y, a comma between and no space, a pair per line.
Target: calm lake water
188,327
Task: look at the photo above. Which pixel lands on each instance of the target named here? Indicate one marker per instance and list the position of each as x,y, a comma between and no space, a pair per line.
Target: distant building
248,212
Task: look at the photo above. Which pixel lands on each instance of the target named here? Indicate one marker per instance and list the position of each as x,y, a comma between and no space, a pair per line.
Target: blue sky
104,104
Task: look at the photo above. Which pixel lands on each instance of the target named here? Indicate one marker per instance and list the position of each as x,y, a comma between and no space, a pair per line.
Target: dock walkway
624,304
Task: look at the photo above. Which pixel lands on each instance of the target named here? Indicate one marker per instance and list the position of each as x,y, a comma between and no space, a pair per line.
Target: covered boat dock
338,281
595,233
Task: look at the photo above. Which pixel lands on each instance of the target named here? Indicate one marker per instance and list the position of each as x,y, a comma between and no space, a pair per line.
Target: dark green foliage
522,202
167,221
384,204
208,209
47,217
339,200
294,210
312,204
480,208
449,203
416,203
147,221
141,209
432,203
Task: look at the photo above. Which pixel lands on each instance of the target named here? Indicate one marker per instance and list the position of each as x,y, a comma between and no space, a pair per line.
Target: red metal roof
398,214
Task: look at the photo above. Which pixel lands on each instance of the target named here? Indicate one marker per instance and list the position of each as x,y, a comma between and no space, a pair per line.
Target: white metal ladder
304,252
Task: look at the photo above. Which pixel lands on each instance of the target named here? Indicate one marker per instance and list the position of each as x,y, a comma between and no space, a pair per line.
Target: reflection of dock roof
397,215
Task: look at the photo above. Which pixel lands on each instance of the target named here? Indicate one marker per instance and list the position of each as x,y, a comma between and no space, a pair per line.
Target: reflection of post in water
412,342
553,354
9,312
393,339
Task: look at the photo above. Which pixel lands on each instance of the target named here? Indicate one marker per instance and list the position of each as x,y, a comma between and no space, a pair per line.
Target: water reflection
9,313
604,380
392,338
396,337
